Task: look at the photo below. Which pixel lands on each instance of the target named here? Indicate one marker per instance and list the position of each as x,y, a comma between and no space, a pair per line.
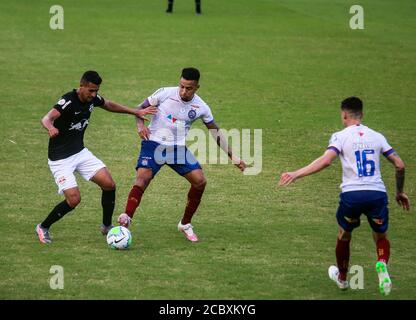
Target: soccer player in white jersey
163,142
362,189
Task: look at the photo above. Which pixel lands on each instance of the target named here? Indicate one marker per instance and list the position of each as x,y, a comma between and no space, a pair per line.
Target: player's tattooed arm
398,163
400,180
401,197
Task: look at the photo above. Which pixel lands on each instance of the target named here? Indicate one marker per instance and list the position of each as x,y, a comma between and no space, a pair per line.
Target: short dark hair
91,76
353,105
190,74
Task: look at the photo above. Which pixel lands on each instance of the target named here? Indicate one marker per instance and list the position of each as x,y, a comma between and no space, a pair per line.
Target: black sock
198,6
108,202
170,6
57,213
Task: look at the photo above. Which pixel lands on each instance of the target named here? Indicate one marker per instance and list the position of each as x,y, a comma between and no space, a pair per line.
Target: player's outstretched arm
401,197
142,130
138,112
48,120
315,166
144,112
223,144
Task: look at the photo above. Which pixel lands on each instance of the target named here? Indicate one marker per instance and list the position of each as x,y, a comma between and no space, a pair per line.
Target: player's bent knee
109,186
200,184
73,201
72,197
142,182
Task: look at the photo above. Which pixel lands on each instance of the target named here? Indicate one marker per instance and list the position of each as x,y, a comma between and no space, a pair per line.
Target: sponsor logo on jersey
79,125
192,114
176,121
172,118
91,107
64,103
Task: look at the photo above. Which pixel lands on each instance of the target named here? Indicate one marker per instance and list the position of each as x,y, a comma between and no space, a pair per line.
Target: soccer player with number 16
362,189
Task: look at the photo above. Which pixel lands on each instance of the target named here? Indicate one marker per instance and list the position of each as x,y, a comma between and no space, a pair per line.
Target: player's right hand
403,200
53,132
144,133
287,178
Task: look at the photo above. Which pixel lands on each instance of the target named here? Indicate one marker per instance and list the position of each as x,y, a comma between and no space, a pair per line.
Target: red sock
133,200
383,250
342,252
194,198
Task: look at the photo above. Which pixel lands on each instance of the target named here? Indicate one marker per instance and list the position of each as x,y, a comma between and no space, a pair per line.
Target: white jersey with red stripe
174,118
359,148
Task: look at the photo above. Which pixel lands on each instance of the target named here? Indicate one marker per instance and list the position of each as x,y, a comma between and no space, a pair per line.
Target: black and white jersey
71,124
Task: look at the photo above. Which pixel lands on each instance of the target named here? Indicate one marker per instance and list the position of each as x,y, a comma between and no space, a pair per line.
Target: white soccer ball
119,238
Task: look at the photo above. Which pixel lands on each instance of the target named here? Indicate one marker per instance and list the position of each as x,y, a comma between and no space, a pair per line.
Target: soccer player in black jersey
66,123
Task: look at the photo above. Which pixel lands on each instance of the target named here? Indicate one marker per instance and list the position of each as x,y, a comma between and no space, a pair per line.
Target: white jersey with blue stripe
174,118
359,148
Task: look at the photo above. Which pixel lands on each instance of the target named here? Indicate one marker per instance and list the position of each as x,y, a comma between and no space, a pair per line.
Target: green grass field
282,66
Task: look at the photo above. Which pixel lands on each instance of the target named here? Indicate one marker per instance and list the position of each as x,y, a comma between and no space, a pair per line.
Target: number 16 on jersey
365,167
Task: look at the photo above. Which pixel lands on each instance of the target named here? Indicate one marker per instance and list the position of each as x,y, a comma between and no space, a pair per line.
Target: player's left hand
287,178
403,200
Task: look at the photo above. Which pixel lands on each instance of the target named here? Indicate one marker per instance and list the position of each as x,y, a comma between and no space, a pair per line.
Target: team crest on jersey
145,160
91,107
192,114
61,102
